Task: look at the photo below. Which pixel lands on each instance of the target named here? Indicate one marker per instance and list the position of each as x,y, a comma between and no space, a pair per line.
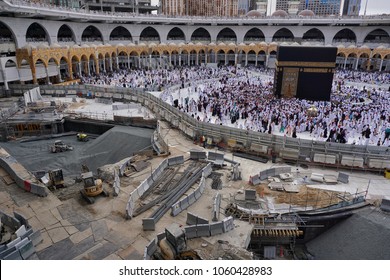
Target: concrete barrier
385,205
324,158
175,160
20,175
216,207
259,148
378,163
254,180
289,154
23,246
250,195
150,249
317,177
352,161
196,155
228,224
216,158
343,178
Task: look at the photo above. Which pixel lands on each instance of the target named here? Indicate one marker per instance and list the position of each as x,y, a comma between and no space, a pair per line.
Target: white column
128,61
59,73
197,58
110,62
150,60
256,59
189,59
345,62
80,68
205,58
357,63
180,59
226,58
47,75
266,60
4,78
380,67
246,59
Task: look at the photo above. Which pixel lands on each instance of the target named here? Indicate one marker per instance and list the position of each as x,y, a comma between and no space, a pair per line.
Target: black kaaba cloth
304,72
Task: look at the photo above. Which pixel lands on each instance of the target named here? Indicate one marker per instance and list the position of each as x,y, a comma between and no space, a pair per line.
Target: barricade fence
302,149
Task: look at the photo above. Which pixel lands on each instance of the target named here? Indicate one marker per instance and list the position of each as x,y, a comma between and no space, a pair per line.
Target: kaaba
304,72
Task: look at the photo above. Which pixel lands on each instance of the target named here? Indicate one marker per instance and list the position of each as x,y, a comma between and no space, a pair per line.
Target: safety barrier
250,195
216,207
194,196
343,178
175,160
378,163
286,147
211,229
385,205
143,187
150,249
196,155
20,175
216,158
352,161
273,172
23,246
259,148
325,158
117,182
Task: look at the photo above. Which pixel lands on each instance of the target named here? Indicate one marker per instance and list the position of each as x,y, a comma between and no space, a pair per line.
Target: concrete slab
35,223
81,235
46,242
129,253
58,234
112,257
70,229
46,218
99,230
105,250
121,239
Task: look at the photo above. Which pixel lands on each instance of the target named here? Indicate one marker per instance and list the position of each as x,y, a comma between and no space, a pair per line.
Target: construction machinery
59,147
174,245
56,178
82,137
92,187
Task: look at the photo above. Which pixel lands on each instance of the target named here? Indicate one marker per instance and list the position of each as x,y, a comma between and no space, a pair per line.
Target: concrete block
13,242
250,195
15,255
175,209
216,228
161,236
7,251
191,232
201,221
191,198
256,179
27,250
197,193
352,161
385,205
343,178
36,238
203,230
151,247
21,231
216,207
21,219
148,224
184,203
317,177
228,224
191,219
27,233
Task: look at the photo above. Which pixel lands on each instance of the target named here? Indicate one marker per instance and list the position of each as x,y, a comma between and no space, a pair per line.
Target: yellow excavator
92,187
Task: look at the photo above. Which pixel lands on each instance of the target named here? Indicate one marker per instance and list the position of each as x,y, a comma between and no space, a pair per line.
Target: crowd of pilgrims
243,98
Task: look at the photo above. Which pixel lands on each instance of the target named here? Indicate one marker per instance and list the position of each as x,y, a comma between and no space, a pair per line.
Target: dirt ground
305,197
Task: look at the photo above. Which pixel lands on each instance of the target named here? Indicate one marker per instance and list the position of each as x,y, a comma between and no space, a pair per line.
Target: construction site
80,180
